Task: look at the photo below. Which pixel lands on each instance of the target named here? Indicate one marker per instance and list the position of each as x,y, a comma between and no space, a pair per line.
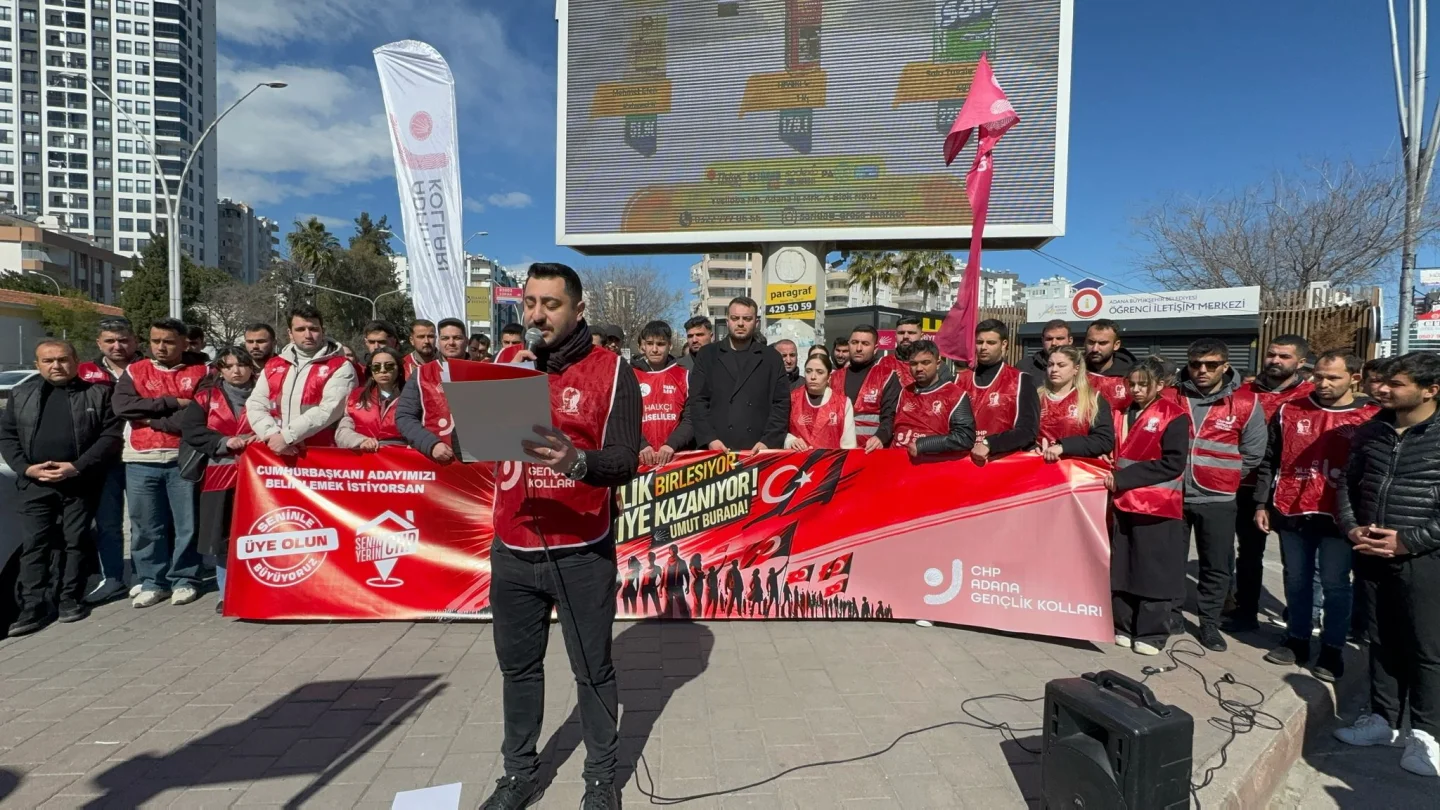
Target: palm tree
925,271
313,247
870,270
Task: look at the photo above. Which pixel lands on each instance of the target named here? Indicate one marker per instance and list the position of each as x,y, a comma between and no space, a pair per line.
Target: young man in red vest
1305,461
1281,380
118,349
1229,437
554,515
512,342
163,505
872,384
301,392
1108,363
1002,397
933,416
422,344
423,413
664,387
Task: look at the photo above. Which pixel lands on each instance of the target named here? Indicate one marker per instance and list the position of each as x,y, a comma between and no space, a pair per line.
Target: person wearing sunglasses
369,419
1229,436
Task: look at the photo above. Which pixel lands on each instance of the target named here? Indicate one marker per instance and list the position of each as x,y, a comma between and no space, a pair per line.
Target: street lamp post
374,302
48,278
172,208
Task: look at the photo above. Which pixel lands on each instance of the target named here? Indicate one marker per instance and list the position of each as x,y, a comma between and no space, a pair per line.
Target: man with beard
422,346
260,343
1002,397
908,332
872,384
840,353
1229,441
423,413
1108,364
118,349
1056,333
933,416
790,356
698,334
1280,381
664,387
739,397
380,335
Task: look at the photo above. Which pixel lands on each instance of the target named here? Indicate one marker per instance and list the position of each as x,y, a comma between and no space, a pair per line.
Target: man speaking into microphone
553,548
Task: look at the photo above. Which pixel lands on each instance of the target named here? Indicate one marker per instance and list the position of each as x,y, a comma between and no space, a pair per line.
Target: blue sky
1192,98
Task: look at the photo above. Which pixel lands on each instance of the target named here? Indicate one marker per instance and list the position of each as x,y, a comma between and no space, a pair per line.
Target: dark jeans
1141,619
163,507
1310,549
1214,528
1405,639
1250,557
523,590
54,521
110,524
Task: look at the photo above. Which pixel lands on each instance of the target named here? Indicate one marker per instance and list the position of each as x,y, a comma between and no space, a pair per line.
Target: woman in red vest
1148,540
214,427
369,419
1075,420
820,417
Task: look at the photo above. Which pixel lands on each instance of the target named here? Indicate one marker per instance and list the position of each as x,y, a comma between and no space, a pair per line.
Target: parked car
10,379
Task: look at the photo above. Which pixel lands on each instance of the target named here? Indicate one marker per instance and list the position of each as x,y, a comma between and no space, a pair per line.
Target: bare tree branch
630,296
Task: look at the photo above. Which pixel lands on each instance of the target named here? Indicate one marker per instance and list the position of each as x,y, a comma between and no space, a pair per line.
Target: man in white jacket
301,393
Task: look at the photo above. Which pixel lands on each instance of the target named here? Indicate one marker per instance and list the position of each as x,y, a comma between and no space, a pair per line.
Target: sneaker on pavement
1146,649
72,612
184,595
105,591
1369,729
1211,639
1122,640
512,793
136,589
1330,666
25,625
599,796
147,599
1293,651
1421,757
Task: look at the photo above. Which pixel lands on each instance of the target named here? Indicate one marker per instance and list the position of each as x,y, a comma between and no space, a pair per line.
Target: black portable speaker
1110,744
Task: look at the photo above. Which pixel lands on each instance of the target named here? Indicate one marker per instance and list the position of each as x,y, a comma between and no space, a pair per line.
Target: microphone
534,339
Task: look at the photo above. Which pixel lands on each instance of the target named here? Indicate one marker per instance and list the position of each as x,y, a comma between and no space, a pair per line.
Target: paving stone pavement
177,707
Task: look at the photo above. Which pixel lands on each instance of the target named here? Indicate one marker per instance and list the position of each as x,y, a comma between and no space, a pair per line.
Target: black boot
512,793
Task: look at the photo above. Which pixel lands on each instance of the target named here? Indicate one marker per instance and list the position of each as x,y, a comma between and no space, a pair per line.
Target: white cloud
510,199
474,206
275,22
333,223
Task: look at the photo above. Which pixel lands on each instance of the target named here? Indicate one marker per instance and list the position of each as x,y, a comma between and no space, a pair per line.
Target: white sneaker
1146,649
1122,640
137,587
1369,729
923,623
105,591
1422,755
184,595
149,599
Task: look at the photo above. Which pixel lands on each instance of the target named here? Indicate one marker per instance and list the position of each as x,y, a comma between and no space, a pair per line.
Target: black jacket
740,397
1038,368
1393,481
98,431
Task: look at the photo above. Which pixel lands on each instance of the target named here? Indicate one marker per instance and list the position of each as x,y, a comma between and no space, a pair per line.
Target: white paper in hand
494,407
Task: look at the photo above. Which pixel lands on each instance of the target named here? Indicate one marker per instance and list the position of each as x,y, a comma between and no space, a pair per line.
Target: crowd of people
1340,459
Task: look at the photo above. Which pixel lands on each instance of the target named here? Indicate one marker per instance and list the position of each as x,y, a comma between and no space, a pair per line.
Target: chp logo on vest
645,389
384,541
994,398
186,383
1302,427
286,546
570,401
1225,423
1152,425
937,406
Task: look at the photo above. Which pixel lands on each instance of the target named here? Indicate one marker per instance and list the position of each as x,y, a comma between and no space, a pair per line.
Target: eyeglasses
1206,365
382,366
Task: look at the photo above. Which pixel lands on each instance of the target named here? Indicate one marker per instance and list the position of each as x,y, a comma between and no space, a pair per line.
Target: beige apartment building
41,246
719,277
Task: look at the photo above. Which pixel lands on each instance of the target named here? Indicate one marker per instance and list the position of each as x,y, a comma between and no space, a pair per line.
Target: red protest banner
1018,545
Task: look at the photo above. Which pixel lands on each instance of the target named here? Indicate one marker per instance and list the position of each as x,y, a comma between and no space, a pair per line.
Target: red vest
530,500
1115,390
822,427
1141,442
1215,459
1272,400
1060,418
220,473
377,421
154,382
1314,447
434,407
95,374
411,362
872,391
928,414
662,397
996,405
313,390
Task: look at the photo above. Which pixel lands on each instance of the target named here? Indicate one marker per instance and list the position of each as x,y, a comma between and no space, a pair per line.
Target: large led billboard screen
693,124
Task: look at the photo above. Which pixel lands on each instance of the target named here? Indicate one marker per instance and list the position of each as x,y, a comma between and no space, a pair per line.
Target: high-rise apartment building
720,277
248,241
69,152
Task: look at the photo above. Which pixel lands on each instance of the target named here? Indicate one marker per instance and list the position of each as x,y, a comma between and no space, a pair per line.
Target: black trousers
1405,639
54,522
1214,528
1250,556
523,590
1142,619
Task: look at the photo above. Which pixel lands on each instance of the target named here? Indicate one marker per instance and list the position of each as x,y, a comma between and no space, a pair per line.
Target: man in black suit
739,394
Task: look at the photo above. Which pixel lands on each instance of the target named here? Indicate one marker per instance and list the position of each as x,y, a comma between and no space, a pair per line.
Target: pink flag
987,109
